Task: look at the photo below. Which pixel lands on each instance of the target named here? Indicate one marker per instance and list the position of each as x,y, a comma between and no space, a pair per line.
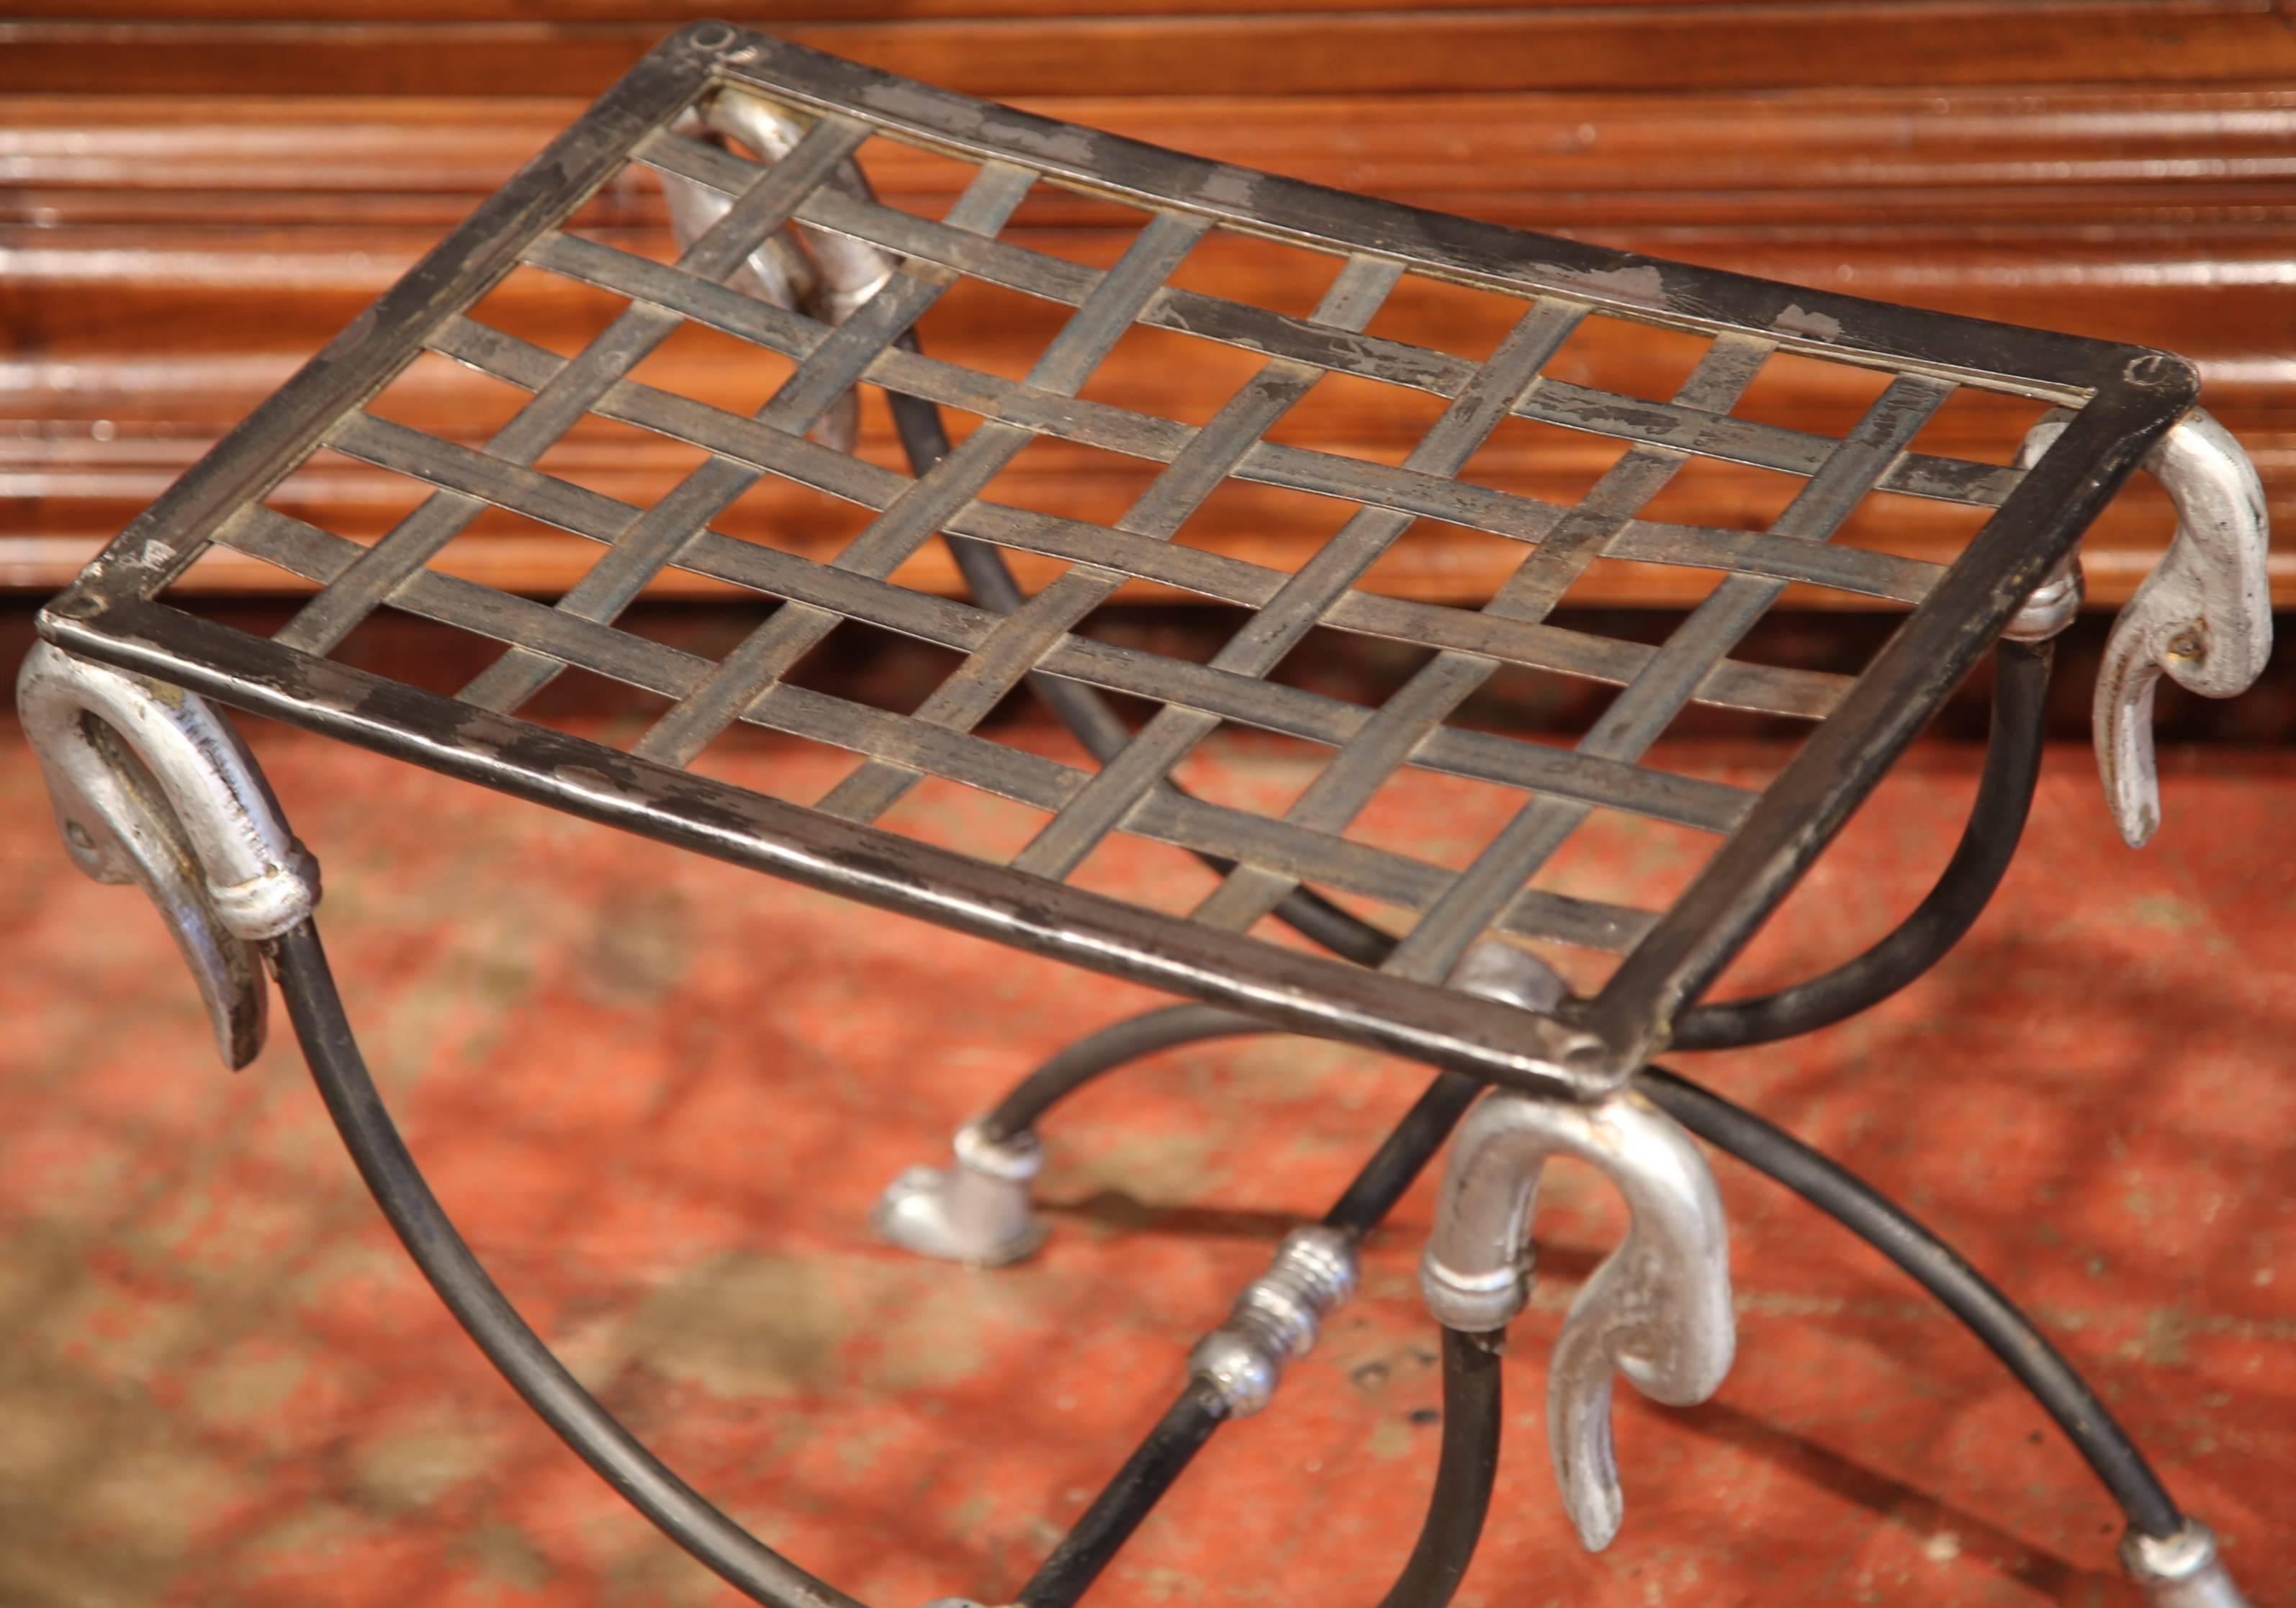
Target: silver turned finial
2050,607
1277,1317
976,1210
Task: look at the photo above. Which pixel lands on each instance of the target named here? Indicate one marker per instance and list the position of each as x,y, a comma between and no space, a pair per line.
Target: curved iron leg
152,784
1234,1368
1964,1292
1466,1471
2036,1364
978,1210
1446,1541
429,1235
1996,821
1072,1567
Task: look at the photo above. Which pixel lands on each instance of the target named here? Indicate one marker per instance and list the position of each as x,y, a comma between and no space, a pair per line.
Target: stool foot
977,1210
2181,1570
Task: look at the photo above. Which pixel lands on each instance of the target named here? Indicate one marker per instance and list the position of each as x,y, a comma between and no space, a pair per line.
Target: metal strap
1637,715
1305,596
1369,357
1416,713
1378,503
765,204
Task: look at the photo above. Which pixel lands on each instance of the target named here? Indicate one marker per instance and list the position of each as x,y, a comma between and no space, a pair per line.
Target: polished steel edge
1301,993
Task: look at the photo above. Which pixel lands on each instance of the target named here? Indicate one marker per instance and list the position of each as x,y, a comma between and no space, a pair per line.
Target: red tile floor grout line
661,1096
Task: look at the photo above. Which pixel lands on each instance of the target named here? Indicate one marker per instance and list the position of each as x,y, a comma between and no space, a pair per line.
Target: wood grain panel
1780,158
1634,47
167,254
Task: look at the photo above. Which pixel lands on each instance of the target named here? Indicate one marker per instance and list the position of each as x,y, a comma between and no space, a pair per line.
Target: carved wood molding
167,254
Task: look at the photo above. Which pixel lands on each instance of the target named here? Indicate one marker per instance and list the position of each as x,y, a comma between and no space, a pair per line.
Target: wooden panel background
195,194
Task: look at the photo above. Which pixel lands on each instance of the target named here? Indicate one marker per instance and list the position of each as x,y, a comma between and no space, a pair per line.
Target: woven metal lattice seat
842,313
2122,398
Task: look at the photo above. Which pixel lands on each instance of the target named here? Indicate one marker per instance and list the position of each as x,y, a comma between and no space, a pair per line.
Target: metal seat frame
784,244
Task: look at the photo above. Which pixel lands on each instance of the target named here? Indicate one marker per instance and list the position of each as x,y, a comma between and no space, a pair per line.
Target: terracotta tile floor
661,1096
